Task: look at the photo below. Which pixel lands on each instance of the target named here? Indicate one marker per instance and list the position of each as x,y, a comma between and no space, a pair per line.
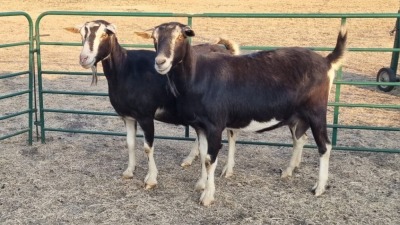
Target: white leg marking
203,147
207,197
228,168
319,187
192,155
131,140
295,160
150,180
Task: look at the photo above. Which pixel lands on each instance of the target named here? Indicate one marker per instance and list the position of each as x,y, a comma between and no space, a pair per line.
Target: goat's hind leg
131,128
194,153
318,127
228,168
299,140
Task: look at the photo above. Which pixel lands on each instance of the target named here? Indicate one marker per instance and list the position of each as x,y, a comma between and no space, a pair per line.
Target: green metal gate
337,105
18,129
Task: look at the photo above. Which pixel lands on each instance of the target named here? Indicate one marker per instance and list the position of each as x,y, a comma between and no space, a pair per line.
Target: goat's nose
83,58
160,60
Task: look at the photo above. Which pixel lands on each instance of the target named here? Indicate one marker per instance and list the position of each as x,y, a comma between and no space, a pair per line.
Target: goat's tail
232,46
336,57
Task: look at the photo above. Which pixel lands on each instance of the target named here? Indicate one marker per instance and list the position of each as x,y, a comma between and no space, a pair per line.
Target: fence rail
337,105
30,81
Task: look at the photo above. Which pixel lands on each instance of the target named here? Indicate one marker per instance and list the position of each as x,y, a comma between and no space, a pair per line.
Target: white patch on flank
167,65
256,126
130,140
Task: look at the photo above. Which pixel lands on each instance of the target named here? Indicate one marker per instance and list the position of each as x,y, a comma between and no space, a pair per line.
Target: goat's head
97,39
170,41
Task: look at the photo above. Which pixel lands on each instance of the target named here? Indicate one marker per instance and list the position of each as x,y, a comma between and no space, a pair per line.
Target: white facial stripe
87,53
167,65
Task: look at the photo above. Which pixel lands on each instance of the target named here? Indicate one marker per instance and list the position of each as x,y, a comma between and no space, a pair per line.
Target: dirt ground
76,178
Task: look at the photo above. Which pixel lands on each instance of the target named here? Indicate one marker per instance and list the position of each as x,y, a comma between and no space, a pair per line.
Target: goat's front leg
203,146
228,168
192,155
131,126
147,125
214,144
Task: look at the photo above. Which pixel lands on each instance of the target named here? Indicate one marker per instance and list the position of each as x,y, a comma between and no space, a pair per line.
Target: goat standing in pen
259,92
136,91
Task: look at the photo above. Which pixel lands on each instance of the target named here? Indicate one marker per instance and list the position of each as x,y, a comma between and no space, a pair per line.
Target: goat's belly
254,126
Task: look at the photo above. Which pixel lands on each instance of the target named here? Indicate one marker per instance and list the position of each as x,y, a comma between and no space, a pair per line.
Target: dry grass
76,179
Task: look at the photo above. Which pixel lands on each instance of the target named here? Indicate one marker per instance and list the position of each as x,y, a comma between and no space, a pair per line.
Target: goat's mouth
163,69
88,65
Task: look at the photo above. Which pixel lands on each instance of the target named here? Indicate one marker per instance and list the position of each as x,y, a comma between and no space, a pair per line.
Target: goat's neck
114,63
182,72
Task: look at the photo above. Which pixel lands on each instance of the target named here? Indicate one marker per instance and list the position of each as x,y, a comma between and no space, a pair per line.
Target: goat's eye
180,37
104,35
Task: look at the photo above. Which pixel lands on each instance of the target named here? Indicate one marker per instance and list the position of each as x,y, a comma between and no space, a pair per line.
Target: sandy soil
76,178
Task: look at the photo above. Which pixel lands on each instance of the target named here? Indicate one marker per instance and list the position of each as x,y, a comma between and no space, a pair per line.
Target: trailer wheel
385,75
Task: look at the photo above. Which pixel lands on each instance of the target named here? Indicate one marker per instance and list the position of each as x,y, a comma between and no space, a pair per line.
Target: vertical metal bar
40,81
190,22
337,99
395,55
31,83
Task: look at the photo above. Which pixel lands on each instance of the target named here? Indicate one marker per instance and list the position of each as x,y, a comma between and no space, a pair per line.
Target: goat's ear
144,35
188,31
75,29
111,28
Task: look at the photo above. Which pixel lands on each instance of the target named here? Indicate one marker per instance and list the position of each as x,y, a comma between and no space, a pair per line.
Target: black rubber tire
385,75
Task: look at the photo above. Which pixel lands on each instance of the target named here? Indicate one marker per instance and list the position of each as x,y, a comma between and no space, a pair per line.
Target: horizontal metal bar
363,127
224,15
14,44
361,149
85,131
250,48
364,105
14,74
74,93
81,112
364,49
14,94
15,114
70,73
369,83
225,141
80,44
14,134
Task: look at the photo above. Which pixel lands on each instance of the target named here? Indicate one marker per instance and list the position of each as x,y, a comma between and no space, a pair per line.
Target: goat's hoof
227,173
186,164
318,190
285,174
149,186
206,199
127,174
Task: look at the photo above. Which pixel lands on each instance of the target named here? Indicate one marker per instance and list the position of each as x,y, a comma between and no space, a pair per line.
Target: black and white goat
259,92
136,91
